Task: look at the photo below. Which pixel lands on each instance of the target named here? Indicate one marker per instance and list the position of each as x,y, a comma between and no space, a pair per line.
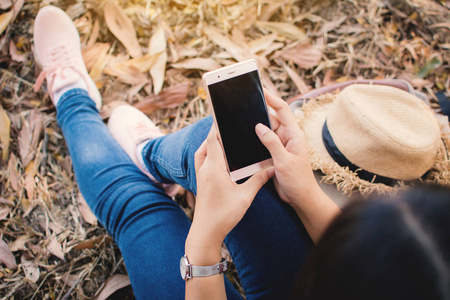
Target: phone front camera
218,76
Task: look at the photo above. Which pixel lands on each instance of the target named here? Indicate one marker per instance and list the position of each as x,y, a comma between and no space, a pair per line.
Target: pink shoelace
60,59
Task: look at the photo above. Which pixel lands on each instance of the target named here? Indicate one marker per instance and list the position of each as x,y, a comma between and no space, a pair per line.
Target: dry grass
50,247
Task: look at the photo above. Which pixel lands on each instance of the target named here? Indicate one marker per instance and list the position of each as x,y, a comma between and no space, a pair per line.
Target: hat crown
385,131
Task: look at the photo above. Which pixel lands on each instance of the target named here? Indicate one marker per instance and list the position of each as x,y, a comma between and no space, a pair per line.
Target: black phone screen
239,105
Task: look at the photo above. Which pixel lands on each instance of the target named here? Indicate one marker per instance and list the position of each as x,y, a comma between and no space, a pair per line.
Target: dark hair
383,249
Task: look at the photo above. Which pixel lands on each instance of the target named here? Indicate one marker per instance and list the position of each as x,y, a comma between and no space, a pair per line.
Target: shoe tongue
63,78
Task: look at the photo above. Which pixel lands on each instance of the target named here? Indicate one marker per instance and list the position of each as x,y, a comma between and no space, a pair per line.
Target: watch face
183,268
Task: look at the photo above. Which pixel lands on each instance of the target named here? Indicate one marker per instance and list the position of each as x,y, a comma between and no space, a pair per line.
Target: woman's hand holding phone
220,203
294,179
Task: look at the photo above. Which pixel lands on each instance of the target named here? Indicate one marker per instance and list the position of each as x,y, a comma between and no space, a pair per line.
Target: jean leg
270,243
171,158
268,246
149,228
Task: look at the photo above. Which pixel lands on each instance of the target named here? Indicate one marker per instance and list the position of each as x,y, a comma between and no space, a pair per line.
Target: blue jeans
268,246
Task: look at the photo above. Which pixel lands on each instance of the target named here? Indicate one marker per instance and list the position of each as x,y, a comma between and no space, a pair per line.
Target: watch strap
202,271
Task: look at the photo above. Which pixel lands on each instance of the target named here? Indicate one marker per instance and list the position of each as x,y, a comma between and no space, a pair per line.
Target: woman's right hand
287,146
294,179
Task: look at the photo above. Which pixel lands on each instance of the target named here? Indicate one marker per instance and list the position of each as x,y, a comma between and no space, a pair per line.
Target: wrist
202,248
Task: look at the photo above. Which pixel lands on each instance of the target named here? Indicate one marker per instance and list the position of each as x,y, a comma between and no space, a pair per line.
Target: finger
255,183
282,109
270,140
274,122
200,156
214,149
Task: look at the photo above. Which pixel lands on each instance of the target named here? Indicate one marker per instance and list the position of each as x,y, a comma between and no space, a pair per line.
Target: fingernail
261,129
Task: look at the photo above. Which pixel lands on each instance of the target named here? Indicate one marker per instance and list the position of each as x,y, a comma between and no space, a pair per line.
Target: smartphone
238,104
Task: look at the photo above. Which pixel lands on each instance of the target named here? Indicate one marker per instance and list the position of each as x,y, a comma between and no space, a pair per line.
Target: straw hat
374,138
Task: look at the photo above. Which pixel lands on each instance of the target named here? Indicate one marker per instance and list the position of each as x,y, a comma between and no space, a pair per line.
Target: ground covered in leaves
152,54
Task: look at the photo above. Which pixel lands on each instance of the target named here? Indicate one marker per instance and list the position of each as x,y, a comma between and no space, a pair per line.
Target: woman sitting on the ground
375,249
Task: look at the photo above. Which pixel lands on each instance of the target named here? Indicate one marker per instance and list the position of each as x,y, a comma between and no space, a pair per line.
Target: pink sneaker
58,52
131,128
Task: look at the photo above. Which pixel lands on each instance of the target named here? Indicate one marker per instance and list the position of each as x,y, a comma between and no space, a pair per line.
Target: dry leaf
15,54
126,74
94,34
5,4
85,211
6,256
288,30
92,53
122,27
19,243
262,43
55,248
96,70
70,280
4,212
270,9
5,19
219,39
304,55
94,242
205,64
30,184
248,19
17,7
112,285
168,98
30,269
142,64
332,25
5,130
29,136
268,84
298,81
158,45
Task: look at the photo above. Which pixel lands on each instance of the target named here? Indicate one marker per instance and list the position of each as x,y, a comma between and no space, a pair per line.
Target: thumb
255,183
270,140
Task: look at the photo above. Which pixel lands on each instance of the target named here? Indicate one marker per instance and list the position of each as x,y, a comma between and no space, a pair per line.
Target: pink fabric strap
403,85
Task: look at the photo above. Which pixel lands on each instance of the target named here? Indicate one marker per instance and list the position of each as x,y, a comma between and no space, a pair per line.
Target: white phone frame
226,73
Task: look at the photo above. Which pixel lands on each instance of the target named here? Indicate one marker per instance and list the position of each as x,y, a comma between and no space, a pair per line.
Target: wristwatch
188,271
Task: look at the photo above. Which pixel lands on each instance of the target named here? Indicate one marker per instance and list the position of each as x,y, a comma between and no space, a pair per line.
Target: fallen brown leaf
92,53
29,136
5,19
15,54
122,27
304,55
4,212
70,280
288,30
226,43
85,211
205,64
19,243
126,74
30,269
298,81
55,248
5,130
6,256
30,184
168,98
94,242
5,4
18,4
112,284
158,45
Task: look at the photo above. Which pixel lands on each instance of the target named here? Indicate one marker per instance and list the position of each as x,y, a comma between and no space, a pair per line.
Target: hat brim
311,118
